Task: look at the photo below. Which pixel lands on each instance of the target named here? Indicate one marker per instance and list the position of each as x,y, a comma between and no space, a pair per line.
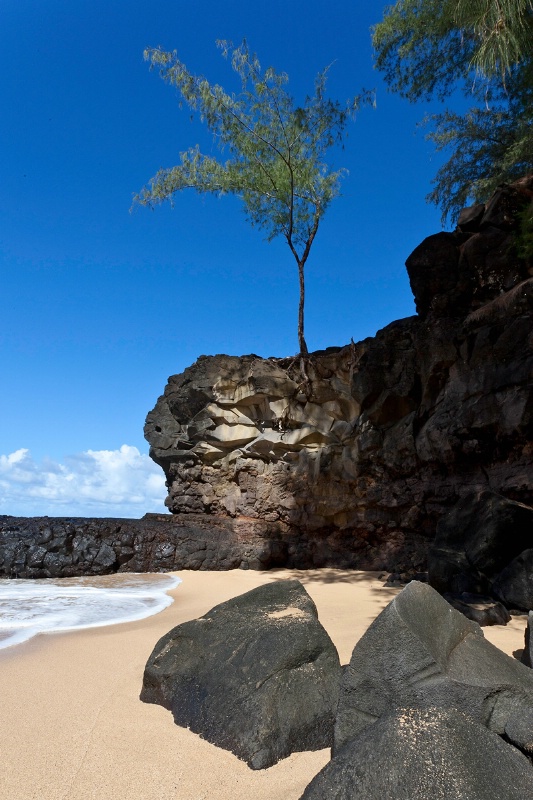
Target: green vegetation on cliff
428,48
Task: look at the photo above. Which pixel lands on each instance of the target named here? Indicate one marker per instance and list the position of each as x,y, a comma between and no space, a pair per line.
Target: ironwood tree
272,151
430,48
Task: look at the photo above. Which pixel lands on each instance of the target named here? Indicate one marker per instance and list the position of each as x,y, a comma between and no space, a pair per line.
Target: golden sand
73,727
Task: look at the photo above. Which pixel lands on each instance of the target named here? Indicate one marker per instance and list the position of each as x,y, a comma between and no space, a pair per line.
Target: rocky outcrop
257,675
429,708
483,545
421,652
363,451
56,547
351,462
416,754
426,707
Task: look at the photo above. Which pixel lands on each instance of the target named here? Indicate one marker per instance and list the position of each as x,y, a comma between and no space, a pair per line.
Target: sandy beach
73,727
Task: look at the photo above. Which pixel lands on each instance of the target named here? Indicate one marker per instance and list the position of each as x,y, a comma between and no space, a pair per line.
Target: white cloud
95,483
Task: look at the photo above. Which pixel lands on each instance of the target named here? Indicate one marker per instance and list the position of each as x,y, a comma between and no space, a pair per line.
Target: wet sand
73,727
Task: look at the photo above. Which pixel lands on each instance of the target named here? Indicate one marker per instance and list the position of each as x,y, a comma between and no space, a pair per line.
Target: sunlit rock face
371,443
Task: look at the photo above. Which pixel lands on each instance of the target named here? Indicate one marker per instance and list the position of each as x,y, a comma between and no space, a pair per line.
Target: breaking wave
50,605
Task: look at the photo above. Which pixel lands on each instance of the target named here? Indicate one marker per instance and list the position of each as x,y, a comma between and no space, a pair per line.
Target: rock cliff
354,462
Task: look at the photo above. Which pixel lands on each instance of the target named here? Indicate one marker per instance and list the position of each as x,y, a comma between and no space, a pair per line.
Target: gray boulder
416,754
422,652
257,675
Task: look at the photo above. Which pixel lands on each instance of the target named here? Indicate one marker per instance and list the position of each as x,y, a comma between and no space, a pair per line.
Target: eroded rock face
257,675
382,437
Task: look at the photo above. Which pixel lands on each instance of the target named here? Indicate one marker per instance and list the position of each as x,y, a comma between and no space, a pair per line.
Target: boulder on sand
480,609
257,675
417,754
422,652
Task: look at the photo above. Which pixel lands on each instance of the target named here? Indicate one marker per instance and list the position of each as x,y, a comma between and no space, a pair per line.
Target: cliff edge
356,464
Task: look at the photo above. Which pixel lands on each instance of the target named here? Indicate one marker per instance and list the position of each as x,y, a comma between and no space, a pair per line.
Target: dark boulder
483,610
420,651
469,218
475,542
527,655
416,754
439,287
514,584
257,675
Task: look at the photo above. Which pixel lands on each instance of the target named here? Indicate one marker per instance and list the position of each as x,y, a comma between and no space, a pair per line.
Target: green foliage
502,31
276,150
490,145
420,50
427,48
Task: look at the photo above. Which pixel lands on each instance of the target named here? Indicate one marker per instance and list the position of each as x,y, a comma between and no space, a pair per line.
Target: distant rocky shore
51,547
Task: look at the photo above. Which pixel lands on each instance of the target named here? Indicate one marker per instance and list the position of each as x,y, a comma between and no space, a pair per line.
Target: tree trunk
301,339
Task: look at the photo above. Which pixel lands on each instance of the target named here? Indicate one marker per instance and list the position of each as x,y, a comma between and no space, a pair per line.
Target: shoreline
32,607
75,728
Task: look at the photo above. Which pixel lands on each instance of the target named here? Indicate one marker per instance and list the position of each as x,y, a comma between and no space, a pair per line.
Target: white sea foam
49,605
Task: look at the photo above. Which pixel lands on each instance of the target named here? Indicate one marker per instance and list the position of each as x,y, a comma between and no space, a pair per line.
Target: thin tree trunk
301,338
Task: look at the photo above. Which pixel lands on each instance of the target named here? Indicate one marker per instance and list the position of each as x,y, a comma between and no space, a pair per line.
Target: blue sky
99,305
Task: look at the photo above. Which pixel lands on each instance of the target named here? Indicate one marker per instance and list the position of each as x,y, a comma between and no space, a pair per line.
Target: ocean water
50,605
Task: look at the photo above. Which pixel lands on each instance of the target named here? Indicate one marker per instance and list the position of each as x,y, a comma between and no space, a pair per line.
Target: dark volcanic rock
159,543
353,466
419,652
43,547
483,610
519,729
417,754
527,655
474,545
469,218
439,286
514,584
257,675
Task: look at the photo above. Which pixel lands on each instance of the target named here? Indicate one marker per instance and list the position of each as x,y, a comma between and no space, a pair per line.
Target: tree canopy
424,47
428,48
275,150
